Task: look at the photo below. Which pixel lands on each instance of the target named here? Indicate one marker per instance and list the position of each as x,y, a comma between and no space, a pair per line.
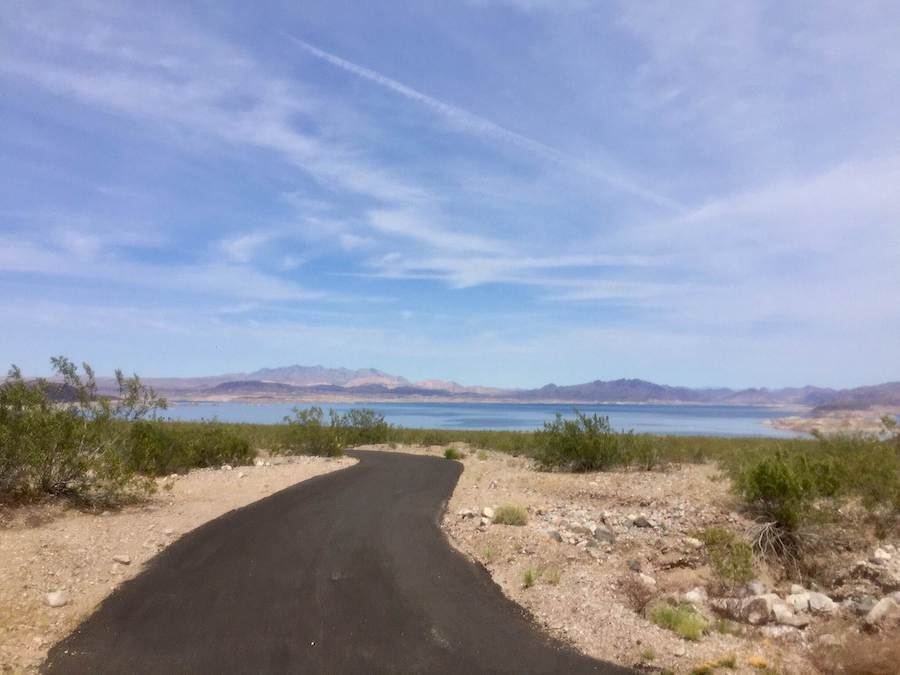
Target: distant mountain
317,383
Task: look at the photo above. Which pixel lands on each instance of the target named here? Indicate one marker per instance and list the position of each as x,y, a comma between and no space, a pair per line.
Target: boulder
756,587
756,610
604,536
695,596
785,616
819,603
488,512
797,589
799,602
880,556
881,609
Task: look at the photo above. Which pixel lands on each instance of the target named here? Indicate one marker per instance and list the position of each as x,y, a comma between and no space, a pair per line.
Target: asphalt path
343,573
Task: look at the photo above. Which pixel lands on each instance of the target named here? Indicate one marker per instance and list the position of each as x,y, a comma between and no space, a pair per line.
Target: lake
657,419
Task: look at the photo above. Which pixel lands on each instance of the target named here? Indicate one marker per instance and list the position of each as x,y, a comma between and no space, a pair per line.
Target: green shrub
362,426
65,439
580,444
681,619
641,451
509,514
307,433
452,453
529,577
730,558
778,487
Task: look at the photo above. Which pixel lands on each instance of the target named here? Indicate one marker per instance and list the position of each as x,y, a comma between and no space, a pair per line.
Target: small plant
452,453
551,575
529,577
683,620
489,553
637,595
730,558
728,627
482,455
648,654
509,514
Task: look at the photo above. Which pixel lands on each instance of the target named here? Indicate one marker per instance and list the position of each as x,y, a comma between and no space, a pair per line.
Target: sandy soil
49,548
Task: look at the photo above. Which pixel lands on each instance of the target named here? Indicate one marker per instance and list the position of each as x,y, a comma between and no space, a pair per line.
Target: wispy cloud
483,127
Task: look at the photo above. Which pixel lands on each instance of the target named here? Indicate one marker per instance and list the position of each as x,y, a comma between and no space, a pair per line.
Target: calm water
659,419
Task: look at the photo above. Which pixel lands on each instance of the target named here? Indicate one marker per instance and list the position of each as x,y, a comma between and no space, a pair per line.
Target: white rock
757,587
227,467
259,461
647,581
880,610
695,596
786,617
880,556
819,603
56,598
122,559
241,474
799,602
797,589
466,513
168,531
485,521
693,543
487,512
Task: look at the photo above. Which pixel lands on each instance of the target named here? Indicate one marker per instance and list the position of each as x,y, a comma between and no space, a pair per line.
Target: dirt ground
79,558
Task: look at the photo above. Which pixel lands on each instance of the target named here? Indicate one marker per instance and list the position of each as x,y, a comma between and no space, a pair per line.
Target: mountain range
316,383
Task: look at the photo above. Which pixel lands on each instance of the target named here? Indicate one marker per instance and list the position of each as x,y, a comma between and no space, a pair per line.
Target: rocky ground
57,564
598,547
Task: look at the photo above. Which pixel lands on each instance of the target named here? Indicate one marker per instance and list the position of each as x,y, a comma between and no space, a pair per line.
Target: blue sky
505,192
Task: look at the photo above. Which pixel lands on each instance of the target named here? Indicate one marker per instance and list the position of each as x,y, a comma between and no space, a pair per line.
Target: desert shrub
581,444
308,433
452,453
361,426
637,594
508,514
529,577
551,575
214,444
730,558
641,451
778,488
681,619
65,439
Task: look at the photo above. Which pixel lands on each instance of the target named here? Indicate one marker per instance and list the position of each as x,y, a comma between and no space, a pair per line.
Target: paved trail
343,573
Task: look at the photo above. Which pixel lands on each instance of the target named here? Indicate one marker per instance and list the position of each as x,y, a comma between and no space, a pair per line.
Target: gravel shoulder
53,554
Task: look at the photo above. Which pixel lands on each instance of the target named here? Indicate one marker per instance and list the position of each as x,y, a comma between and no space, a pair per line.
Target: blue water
657,419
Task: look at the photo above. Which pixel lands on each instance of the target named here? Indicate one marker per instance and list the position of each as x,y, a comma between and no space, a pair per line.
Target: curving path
343,573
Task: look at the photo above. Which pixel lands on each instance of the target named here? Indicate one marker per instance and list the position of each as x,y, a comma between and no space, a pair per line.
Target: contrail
485,127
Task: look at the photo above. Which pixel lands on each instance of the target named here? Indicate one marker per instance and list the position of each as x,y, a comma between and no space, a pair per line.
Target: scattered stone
259,461
485,521
880,610
241,474
556,536
634,565
466,513
863,605
641,521
487,512
168,531
797,589
680,650
692,543
56,598
122,559
227,467
785,616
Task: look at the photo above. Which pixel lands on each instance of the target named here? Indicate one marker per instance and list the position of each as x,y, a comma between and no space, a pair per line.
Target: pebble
56,598
122,559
